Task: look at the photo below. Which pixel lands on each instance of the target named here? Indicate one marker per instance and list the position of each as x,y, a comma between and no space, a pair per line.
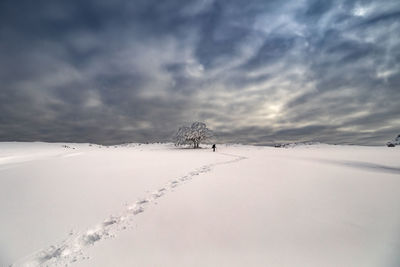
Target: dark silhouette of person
214,147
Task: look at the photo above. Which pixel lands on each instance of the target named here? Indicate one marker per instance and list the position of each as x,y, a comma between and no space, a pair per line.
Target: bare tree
195,134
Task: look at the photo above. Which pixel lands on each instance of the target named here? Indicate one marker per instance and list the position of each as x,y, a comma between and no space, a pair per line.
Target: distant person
214,147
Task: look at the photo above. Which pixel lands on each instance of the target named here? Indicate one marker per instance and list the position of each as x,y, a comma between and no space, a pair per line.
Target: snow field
316,205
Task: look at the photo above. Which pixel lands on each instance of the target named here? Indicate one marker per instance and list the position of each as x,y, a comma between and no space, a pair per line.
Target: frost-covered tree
182,136
394,142
194,134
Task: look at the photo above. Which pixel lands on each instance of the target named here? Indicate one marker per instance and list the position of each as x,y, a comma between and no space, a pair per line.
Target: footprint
157,194
142,201
110,221
174,184
91,237
136,209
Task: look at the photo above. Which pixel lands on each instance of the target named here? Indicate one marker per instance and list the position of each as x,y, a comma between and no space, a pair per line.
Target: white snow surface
158,205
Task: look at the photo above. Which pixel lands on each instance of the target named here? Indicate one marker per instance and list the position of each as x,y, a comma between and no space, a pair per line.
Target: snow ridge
72,248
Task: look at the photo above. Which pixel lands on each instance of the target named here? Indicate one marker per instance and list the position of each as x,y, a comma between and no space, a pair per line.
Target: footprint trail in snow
72,248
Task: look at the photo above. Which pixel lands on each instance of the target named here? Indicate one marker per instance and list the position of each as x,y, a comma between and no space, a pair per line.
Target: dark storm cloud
255,71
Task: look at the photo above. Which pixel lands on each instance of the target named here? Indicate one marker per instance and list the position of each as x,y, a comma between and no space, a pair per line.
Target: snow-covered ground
157,205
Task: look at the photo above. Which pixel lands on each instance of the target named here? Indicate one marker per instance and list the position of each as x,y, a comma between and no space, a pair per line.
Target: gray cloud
254,71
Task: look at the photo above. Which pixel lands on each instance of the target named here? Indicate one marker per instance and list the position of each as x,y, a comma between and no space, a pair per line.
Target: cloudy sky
256,71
